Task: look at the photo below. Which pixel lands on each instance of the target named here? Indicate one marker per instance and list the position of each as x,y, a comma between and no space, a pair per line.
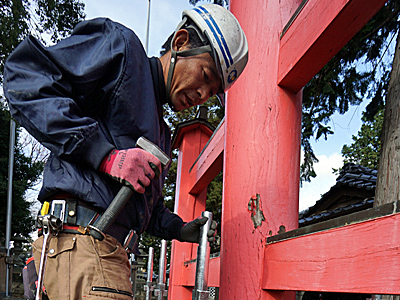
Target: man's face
195,79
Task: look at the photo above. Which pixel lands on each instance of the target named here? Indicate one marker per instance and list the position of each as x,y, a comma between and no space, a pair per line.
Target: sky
164,16
329,155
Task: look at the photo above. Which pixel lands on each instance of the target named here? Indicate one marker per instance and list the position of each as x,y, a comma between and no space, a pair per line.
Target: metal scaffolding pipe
161,291
200,291
149,284
9,198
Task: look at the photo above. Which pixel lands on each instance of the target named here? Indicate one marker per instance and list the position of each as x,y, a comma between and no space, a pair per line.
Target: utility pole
147,31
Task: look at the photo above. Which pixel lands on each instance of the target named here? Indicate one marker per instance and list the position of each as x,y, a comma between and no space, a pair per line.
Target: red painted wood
189,272
188,206
358,258
261,153
209,164
321,29
182,130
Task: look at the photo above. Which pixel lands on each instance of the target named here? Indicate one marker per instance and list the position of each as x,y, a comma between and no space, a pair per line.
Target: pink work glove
133,167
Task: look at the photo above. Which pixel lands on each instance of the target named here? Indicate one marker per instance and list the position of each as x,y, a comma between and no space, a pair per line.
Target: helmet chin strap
169,78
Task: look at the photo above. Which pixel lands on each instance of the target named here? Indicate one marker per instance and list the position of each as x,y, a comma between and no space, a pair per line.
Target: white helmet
222,33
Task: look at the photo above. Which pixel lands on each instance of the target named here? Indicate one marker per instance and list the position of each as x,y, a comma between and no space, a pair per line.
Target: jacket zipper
109,290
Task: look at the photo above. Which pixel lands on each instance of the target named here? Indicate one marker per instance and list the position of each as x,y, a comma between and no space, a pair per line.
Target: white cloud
312,191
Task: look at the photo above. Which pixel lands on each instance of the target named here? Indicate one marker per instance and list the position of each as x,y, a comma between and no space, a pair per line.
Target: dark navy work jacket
92,92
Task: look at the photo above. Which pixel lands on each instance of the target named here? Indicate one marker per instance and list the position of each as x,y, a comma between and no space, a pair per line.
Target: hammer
104,223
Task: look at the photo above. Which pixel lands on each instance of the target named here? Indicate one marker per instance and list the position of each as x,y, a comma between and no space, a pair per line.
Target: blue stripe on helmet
223,46
219,31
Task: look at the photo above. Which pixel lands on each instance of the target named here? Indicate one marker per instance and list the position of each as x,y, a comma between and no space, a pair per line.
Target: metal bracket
161,291
149,287
201,295
58,208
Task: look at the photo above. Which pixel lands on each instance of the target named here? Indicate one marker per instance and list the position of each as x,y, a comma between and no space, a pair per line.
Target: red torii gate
258,148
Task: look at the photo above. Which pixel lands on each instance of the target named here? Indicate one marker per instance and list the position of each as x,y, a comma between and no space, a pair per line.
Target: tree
366,147
388,181
26,174
53,19
342,83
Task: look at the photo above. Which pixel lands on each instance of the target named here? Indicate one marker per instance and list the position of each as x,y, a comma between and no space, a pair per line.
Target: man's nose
204,93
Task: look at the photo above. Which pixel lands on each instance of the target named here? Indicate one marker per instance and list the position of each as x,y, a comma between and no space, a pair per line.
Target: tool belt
76,215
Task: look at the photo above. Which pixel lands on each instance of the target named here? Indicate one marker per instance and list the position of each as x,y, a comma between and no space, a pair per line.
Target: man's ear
181,39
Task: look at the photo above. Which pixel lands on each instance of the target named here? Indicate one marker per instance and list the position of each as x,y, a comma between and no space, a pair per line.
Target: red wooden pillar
190,138
262,154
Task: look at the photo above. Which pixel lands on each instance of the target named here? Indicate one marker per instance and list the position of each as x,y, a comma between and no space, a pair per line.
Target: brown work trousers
81,267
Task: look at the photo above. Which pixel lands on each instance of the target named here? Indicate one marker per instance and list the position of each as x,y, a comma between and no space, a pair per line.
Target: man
88,99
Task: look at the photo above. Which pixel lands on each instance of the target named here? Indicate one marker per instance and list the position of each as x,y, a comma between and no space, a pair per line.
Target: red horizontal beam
357,258
189,273
320,30
209,163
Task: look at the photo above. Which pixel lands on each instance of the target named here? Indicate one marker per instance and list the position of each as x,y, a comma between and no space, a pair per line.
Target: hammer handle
111,213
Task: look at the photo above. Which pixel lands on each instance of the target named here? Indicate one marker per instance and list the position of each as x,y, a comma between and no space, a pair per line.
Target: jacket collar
159,83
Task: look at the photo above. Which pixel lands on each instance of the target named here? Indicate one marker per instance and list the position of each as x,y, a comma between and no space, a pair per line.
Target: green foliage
58,17
13,27
214,204
342,83
366,146
147,241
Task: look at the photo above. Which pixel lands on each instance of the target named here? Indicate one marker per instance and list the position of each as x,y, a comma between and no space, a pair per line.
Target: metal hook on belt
50,225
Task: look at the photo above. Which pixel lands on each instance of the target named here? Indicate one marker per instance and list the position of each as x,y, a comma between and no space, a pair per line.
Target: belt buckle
58,208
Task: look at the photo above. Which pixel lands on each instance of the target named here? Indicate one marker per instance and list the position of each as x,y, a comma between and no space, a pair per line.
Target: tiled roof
353,191
357,176
330,214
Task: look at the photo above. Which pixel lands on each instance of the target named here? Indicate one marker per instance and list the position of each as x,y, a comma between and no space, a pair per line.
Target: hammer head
148,146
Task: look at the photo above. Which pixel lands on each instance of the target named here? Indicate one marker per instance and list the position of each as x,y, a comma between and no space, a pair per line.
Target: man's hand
132,167
190,232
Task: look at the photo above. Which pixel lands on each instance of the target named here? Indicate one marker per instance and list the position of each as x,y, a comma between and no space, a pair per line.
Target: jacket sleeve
57,92
164,223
